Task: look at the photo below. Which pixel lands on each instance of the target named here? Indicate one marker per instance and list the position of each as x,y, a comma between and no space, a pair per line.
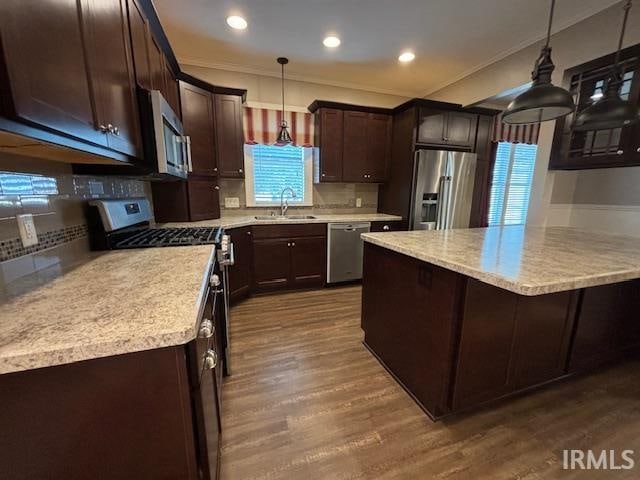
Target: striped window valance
261,126
515,133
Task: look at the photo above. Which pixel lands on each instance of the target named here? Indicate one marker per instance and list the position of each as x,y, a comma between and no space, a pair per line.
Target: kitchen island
464,317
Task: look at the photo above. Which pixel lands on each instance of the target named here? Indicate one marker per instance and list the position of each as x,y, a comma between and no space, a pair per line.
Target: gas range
169,237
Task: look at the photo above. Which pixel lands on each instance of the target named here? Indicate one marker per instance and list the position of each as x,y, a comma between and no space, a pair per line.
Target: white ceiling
451,38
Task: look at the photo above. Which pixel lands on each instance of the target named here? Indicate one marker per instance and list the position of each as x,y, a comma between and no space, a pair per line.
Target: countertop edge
506,284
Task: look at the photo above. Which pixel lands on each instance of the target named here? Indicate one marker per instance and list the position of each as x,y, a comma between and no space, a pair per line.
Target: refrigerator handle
446,188
441,200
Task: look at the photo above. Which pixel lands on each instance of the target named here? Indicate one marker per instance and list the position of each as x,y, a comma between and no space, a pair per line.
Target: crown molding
522,45
252,70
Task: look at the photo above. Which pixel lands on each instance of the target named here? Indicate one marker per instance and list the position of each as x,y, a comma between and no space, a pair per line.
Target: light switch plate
27,229
231,202
358,202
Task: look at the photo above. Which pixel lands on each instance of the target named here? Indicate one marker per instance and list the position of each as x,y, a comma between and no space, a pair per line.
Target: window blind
511,183
275,168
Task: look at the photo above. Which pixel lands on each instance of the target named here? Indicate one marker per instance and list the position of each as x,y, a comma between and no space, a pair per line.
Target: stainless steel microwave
165,144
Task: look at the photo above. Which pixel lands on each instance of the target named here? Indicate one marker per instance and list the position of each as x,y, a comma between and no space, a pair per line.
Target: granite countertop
108,304
246,221
525,260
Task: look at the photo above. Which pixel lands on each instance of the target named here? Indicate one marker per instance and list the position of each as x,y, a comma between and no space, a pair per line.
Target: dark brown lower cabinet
455,343
509,342
139,415
289,256
197,198
240,272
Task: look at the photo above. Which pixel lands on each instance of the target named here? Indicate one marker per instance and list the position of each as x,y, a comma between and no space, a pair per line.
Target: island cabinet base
132,416
455,343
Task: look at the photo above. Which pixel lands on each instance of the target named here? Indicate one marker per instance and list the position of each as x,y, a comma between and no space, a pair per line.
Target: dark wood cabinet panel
125,416
378,147
112,74
207,406
329,139
199,125
240,272
354,146
451,128
394,226
408,316
308,262
44,62
229,135
461,129
271,264
139,28
605,330
486,343
290,231
432,126
171,93
544,325
156,65
204,199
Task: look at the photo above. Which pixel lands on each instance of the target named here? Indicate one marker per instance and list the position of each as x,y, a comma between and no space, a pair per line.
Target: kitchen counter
246,221
109,304
524,260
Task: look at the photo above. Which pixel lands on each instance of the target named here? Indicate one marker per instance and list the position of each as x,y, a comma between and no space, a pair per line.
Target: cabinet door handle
324,175
619,152
217,187
249,233
239,170
116,131
638,150
385,228
288,244
103,129
293,244
215,169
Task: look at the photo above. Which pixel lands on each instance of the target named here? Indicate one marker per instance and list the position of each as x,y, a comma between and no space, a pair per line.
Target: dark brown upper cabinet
600,148
171,91
140,39
329,135
199,124
229,135
156,65
111,73
447,128
197,198
354,142
354,146
45,76
367,139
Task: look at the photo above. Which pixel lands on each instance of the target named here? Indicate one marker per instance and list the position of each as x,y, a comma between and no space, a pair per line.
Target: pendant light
610,111
283,136
542,101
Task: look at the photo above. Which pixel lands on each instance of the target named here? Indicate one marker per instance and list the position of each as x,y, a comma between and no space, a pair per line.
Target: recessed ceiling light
236,22
406,56
331,41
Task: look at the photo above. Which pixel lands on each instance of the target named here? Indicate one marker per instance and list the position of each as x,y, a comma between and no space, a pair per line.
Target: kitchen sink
286,217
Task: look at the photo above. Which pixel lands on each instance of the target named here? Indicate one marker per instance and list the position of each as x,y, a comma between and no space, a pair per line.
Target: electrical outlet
231,202
358,202
27,229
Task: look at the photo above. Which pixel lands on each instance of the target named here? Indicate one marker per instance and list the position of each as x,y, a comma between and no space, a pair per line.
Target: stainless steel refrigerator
442,191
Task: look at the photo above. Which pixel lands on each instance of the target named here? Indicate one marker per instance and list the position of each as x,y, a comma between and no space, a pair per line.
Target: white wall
584,41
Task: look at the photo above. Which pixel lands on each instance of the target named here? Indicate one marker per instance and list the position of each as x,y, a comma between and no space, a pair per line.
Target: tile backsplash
56,198
327,198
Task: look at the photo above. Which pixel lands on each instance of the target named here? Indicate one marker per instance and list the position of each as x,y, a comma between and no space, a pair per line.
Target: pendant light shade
610,111
283,135
542,101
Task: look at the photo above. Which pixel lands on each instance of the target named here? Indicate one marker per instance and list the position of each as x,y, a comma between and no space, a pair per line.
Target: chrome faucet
284,205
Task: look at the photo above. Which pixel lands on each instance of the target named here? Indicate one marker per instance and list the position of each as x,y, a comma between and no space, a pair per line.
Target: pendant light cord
282,91
553,6
627,7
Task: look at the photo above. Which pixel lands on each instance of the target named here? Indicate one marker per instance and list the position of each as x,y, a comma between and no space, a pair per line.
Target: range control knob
214,281
210,359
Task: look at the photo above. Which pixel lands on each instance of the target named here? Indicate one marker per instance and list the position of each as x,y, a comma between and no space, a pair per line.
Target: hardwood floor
307,401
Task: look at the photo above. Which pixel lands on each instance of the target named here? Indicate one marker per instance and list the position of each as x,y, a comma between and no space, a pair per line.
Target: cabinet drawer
290,231
392,226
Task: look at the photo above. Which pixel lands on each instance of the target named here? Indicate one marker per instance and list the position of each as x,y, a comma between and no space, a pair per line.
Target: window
270,169
511,183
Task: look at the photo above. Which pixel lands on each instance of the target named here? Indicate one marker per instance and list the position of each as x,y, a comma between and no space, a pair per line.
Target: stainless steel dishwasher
344,251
